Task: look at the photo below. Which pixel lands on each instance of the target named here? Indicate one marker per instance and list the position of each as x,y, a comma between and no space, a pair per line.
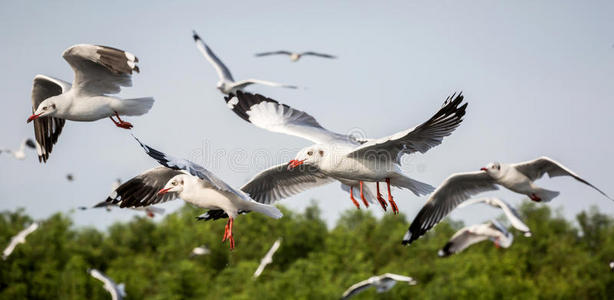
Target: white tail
546,195
417,187
136,106
265,209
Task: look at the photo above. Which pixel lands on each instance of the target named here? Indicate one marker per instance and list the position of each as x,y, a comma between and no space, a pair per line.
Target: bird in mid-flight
295,56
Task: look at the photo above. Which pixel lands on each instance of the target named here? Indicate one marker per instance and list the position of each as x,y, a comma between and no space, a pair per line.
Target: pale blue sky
538,76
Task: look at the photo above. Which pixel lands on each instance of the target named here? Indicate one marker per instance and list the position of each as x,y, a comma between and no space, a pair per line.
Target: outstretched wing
142,190
461,240
273,116
222,71
356,288
318,54
47,129
273,53
239,85
535,169
420,138
454,190
100,70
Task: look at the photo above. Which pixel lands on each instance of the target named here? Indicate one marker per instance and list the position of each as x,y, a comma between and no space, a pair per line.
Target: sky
538,77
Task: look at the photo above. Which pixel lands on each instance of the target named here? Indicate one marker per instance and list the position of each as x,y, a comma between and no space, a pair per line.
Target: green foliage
560,261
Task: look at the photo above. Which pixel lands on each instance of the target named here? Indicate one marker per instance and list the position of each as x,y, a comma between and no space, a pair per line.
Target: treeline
560,260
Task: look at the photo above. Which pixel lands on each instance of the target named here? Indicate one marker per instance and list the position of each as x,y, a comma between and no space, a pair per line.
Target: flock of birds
358,164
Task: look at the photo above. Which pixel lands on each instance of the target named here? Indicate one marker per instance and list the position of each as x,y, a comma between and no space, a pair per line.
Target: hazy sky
538,76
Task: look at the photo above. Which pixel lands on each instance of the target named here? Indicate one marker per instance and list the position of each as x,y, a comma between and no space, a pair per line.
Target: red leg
395,209
362,196
230,237
120,123
226,231
352,197
535,198
381,200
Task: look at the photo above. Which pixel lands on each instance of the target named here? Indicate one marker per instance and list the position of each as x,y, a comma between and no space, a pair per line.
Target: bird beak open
295,163
483,169
33,117
163,191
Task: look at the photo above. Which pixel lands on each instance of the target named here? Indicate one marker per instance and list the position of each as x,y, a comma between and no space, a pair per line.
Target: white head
310,156
493,169
175,185
45,108
221,85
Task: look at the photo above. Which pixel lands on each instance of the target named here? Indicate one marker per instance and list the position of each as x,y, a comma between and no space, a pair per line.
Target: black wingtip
195,35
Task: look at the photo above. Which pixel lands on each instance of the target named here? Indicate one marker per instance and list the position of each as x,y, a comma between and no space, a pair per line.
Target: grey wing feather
535,169
47,129
356,288
278,182
273,53
454,190
318,54
221,69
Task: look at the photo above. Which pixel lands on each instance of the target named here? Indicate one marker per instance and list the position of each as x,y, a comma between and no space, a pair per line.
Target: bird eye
310,153
321,153
44,107
174,183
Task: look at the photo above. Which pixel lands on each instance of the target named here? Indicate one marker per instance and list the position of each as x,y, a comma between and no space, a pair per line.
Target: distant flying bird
70,177
227,84
611,265
268,258
99,71
476,233
117,291
21,152
382,283
460,186
510,212
20,238
180,178
295,56
200,250
337,156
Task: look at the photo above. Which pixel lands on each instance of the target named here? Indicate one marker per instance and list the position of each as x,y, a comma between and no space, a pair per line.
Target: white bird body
20,153
268,258
117,291
20,238
201,250
476,233
511,213
382,283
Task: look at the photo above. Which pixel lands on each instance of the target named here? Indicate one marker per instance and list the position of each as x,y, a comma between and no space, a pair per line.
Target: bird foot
123,124
381,201
362,196
535,198
352,197
393,205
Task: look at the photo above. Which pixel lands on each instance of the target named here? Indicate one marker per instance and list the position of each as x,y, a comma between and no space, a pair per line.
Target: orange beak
33,117
295,163
483,169
163,191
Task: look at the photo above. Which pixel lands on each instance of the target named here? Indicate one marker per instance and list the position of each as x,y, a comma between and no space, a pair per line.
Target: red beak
33,117
295,163
163,191
483,169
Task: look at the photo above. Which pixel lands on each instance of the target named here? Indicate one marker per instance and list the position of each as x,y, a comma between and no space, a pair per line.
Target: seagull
295,56
459,187
337,156
510,212
227,85
382,283
21,152
70,177
117,291
611,265
476,233
20,238
200,250
99,71
268,258
180,178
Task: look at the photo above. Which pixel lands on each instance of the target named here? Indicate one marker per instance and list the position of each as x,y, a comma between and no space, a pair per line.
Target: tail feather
546,195
265,209
417,187
135,106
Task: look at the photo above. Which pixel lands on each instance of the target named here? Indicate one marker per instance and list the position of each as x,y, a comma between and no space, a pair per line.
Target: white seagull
382,283
20,238
180,178
117,291
227,84
510,212
21,152
268,258
200,250
337,156
460,186
295,56
476,233
99,71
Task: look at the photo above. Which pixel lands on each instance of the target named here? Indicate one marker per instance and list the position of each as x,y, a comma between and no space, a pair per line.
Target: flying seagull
337,156
180,178
476,233
227,84
99,72
20,238
150,211
268,258
460,186
200,250
117,291
21,152
510,212
295,56
382,283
